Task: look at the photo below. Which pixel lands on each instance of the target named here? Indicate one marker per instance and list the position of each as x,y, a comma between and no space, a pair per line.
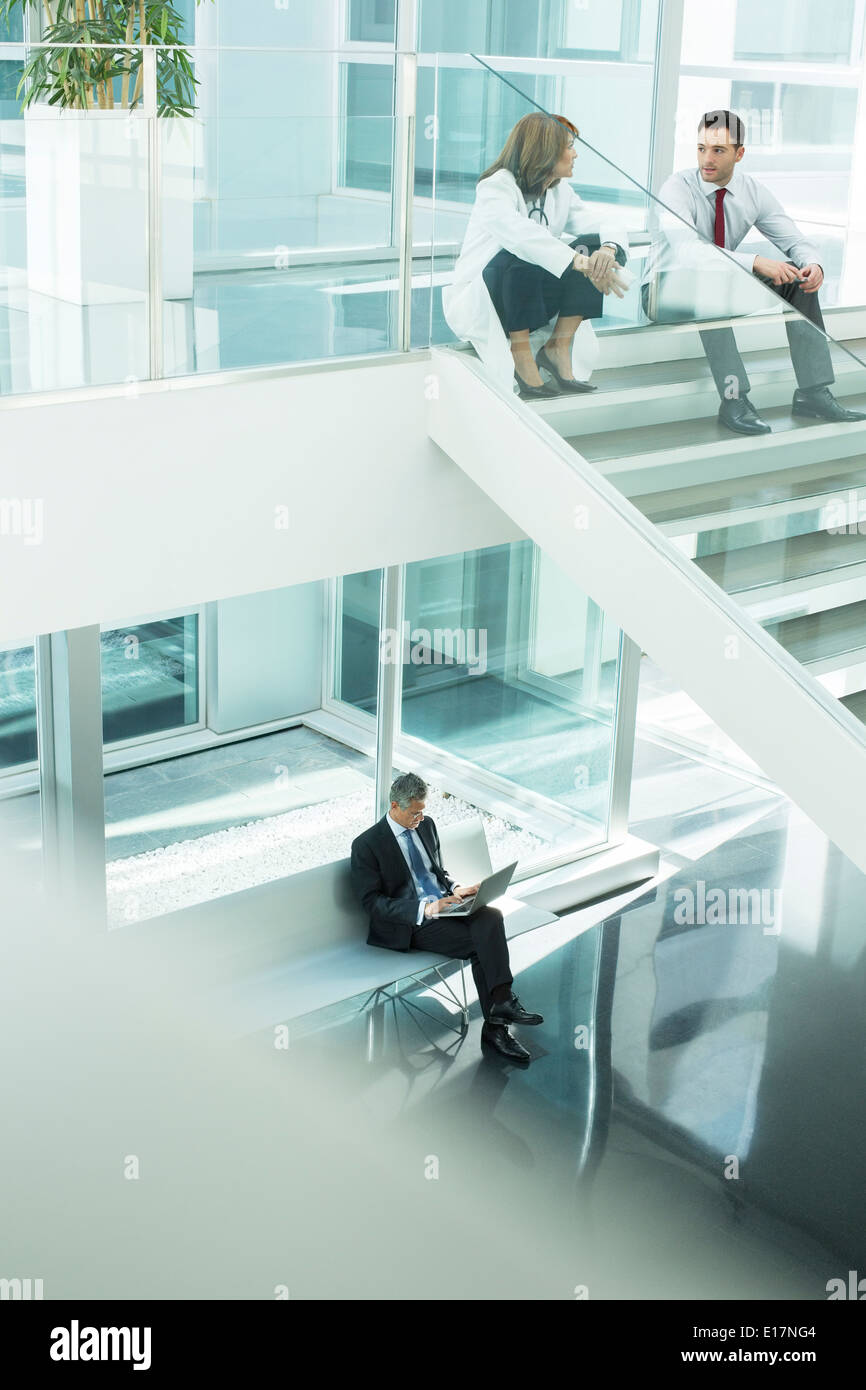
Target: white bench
284,949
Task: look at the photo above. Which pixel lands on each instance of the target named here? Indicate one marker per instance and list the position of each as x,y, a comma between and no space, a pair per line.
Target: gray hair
406,788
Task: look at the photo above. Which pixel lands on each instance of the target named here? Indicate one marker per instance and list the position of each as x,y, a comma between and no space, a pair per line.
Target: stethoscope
539,208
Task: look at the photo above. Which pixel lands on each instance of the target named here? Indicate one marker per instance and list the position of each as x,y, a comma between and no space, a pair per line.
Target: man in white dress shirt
722,203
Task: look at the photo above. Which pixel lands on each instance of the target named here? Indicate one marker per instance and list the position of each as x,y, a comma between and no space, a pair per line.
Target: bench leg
463,1005
376,1025
384,994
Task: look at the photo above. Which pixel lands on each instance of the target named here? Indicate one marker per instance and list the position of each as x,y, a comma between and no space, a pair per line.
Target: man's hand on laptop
432,909
462,892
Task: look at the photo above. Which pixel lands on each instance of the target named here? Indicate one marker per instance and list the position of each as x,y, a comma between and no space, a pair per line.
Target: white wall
277,635
188,493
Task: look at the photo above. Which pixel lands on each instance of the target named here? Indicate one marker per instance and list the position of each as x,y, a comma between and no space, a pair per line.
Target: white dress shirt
401,832
747,204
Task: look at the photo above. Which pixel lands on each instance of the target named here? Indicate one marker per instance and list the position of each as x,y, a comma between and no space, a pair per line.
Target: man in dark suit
398,876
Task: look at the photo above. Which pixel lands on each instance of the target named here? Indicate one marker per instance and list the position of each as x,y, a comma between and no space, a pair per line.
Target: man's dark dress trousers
810,353
383,885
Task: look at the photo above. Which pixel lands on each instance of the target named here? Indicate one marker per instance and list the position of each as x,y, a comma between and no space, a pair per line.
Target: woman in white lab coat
532,252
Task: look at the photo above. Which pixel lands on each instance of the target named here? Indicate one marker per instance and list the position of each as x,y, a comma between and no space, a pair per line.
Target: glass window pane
17,706
801,31
373,21
594,28
20,814
511,673
357,665
369,126
149,678
10,104
487,26
12,28
234,806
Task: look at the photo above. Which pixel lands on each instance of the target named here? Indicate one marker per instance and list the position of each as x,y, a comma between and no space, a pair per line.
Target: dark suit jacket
383,883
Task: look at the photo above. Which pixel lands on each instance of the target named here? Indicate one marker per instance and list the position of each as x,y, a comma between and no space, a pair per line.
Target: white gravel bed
196,871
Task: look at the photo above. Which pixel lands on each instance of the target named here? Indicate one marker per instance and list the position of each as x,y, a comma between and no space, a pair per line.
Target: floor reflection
697,1080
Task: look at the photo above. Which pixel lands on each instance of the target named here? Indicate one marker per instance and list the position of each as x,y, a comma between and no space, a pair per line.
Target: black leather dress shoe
741,417
497,1036
820,404
512,1011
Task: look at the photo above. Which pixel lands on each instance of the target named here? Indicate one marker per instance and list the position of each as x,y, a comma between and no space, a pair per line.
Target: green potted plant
80,78
86,150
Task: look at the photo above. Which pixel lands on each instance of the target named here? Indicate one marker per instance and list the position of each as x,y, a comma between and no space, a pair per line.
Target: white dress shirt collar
733,186
395,825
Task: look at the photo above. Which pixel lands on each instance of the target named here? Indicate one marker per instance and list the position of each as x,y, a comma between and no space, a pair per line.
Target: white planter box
86,200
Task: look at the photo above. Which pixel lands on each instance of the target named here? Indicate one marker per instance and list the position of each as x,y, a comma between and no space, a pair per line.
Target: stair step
673,440
696,371
728,502
797,558
829,640
857,705
683,389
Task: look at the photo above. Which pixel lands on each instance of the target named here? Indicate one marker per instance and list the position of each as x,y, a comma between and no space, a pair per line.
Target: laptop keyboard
455,907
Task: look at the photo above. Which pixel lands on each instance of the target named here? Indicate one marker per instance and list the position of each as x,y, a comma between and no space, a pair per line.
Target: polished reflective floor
236,319
693,1113
691,1125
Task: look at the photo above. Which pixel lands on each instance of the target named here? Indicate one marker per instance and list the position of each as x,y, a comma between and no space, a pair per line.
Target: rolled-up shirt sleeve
774,223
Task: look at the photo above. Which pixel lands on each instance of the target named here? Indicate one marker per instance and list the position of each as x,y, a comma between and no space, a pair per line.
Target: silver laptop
492,887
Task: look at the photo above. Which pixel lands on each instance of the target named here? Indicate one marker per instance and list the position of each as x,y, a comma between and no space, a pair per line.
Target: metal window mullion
593,642
47,762
665,92
390,681
155,345
625,721
403,182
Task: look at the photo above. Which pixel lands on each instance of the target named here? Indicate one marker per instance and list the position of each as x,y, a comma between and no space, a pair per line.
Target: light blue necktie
426,883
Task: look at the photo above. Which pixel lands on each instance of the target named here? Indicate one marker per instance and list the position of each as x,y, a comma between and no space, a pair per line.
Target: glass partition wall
314,195
506,692
20,808
766,506
282,209
228,759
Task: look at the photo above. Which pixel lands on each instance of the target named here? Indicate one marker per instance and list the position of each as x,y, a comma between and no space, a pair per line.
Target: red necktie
719,232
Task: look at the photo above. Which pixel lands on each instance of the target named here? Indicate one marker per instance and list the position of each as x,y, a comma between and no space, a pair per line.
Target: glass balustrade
325,220
153,231
708,347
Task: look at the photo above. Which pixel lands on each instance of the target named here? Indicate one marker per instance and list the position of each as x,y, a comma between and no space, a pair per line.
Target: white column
69,725
852,288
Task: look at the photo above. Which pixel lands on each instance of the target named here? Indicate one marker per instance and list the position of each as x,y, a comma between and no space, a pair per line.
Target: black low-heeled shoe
574,387
534,393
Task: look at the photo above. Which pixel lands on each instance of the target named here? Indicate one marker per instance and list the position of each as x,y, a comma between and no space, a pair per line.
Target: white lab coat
500,221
